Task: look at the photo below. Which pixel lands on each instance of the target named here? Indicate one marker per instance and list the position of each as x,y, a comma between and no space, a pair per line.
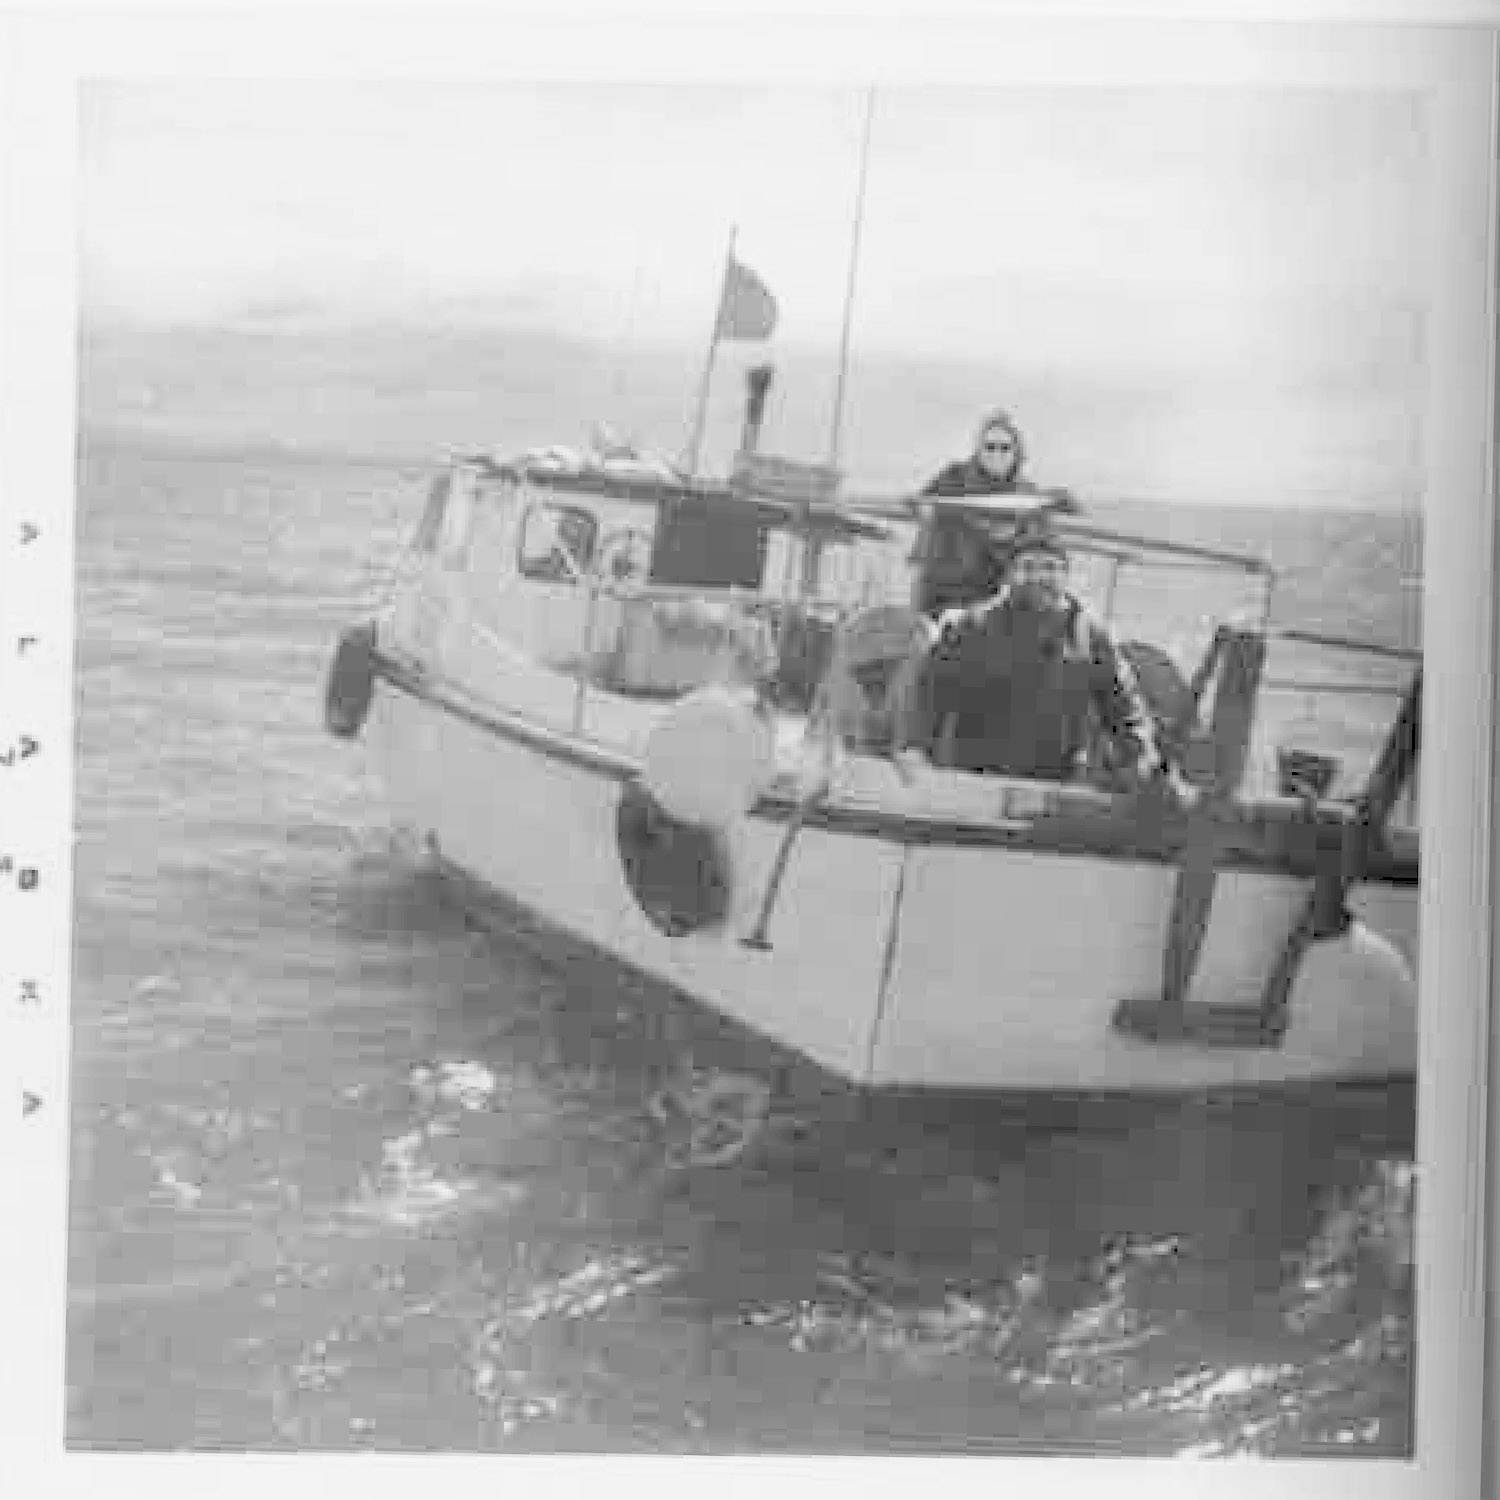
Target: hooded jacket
969,477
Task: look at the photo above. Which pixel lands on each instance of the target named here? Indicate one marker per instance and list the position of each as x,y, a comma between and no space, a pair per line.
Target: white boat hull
908,963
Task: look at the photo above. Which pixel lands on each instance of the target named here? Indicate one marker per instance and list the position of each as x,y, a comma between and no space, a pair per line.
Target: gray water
351,1172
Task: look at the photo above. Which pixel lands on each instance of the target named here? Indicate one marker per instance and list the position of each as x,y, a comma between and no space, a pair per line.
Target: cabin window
714,546
558,543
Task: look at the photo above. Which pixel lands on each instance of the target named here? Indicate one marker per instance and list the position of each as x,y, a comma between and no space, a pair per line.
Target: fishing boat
664,713
670,716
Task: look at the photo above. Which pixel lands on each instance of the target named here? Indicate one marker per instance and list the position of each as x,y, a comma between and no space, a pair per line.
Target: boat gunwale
1282,837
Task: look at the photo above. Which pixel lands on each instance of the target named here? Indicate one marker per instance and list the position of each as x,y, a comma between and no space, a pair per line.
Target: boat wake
409,1190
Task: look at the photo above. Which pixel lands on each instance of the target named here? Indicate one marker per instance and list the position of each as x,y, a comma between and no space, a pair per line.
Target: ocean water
351,1172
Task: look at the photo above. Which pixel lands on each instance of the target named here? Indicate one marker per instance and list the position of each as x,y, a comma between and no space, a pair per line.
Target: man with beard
1018,684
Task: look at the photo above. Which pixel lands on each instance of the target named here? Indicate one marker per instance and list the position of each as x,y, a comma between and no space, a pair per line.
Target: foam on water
409,1190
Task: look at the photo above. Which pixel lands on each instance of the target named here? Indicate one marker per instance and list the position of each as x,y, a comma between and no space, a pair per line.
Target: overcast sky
1185,227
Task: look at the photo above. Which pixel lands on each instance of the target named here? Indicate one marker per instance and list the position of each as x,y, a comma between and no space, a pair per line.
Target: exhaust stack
758,383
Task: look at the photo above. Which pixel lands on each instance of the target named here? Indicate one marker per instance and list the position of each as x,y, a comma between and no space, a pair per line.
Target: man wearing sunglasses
1023,683
960,560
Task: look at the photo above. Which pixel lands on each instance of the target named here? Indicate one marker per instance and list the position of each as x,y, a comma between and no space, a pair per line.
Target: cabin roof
647,485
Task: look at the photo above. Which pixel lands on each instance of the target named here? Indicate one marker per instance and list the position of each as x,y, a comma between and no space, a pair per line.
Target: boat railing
1318,685
1289,728
1381,649
1133,547
1313,713
1125,556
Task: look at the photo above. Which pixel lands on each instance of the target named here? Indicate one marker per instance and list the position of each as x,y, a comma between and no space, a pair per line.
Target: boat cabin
631,581
564,608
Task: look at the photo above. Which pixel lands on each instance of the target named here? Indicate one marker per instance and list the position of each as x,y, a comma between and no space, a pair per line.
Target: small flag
746,309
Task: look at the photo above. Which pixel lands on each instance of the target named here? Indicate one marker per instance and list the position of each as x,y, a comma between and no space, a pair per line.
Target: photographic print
749,765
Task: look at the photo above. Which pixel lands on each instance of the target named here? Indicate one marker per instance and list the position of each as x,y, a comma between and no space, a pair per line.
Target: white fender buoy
710,758
1355,996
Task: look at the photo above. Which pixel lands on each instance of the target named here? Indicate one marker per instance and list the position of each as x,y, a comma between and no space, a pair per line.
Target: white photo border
1450,54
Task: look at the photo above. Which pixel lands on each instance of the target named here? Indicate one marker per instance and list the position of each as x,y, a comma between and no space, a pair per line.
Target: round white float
709,758
1355,999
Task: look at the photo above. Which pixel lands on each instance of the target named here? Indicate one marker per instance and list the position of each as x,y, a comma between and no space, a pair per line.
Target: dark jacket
1020,693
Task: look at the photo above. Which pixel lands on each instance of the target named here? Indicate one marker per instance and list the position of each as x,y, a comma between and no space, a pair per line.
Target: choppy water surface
351,1172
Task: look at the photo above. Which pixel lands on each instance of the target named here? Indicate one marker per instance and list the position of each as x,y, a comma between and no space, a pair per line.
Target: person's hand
951,623
1163,785
1183,793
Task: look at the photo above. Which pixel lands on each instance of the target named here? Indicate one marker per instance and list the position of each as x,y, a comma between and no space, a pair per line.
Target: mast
627,332
695,443
859,214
